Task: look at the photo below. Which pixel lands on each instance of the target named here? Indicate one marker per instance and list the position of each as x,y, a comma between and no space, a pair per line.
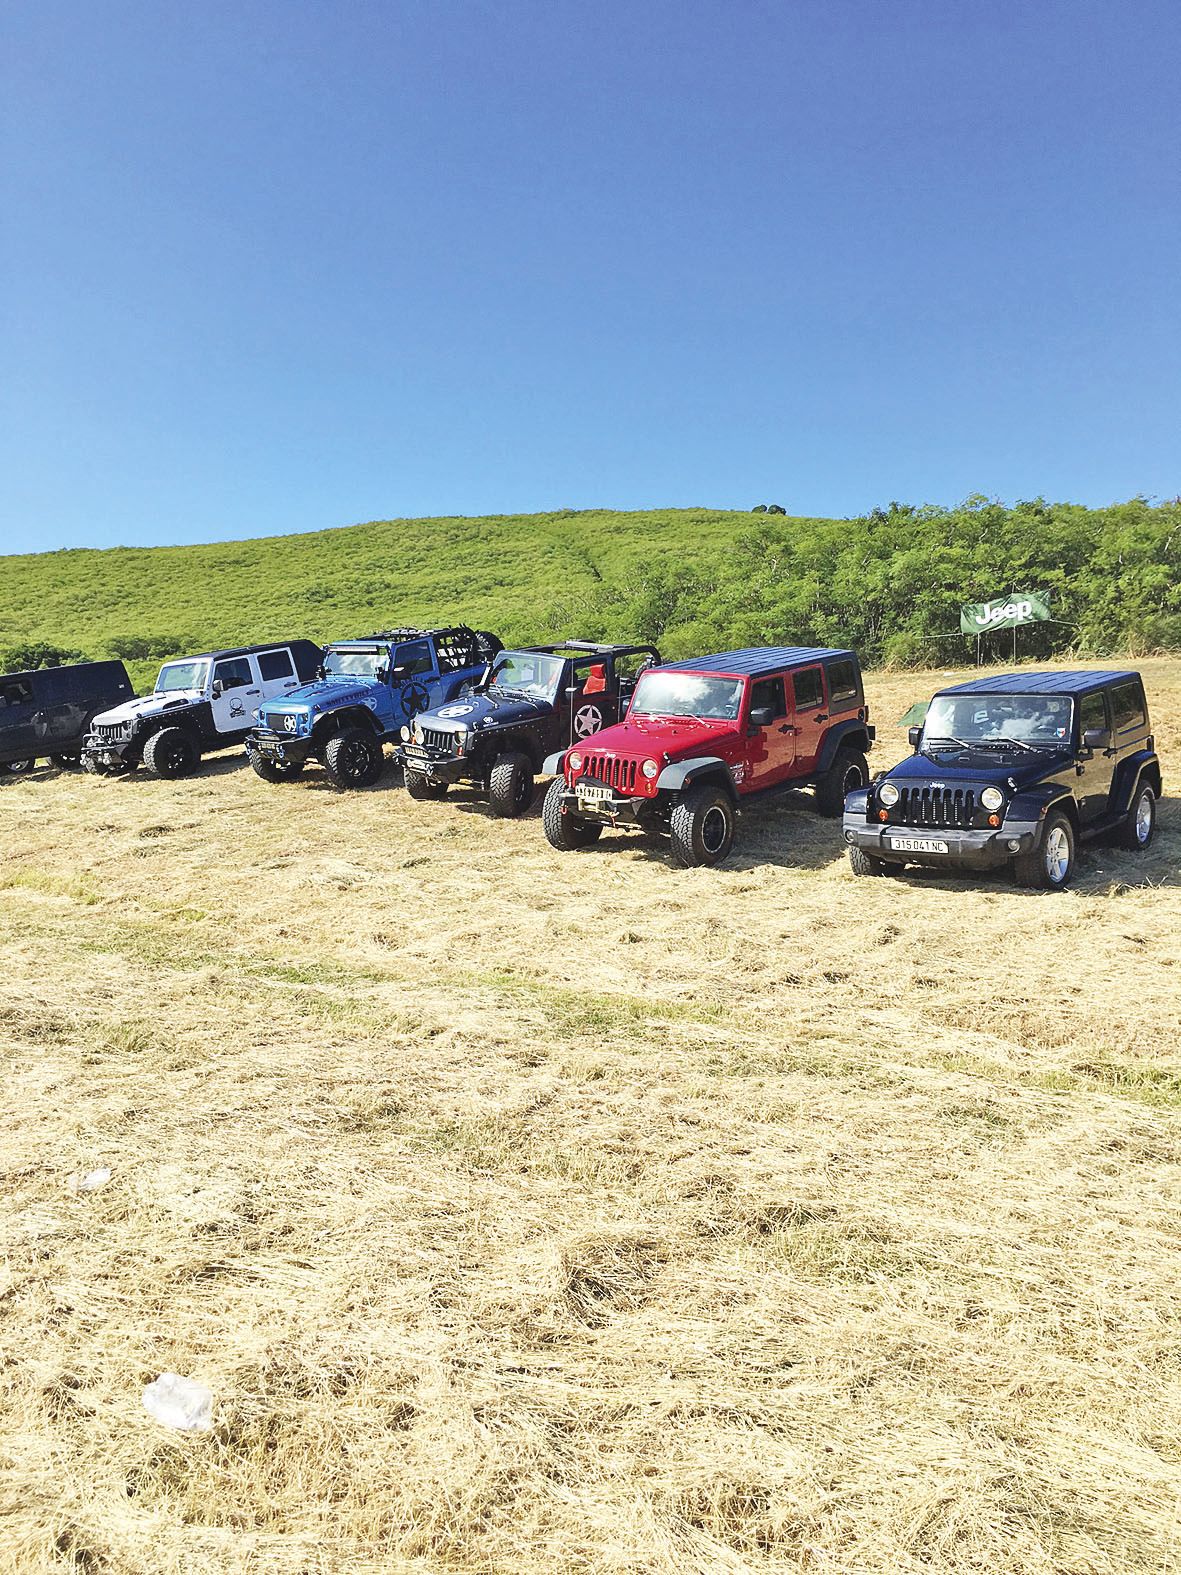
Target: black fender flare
1130,773
687,773
1034,804
841,733
348,716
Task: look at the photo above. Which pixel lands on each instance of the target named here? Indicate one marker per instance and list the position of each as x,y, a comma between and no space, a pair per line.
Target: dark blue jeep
366,690
1014,770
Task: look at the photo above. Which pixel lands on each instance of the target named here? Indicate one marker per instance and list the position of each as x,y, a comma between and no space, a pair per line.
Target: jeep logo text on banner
1005,613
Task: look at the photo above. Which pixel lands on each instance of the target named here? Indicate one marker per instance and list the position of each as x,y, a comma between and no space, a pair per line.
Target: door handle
254,691
788,728
821,716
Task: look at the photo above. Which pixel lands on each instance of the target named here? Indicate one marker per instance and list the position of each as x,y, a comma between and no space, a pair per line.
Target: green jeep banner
1007,613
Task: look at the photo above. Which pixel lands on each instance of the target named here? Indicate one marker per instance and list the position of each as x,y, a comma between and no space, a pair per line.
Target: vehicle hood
150,705
483,711
1014,767
323,693
678,738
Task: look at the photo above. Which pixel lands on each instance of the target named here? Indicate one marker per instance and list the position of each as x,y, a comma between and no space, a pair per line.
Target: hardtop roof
243,650
1043,683
757,660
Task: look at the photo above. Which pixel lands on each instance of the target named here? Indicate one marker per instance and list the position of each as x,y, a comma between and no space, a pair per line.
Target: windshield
687,694
353,664
182,675
1032,720
526,673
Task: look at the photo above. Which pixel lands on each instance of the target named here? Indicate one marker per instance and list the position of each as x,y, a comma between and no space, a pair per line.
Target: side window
234,673
15,692
809,688
1127,706
416,657
1092,712
768,692
275,664
842,684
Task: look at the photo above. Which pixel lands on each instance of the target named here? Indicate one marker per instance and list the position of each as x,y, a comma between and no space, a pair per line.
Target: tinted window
234,673
415,658
275,664
1127,706
1092,712
768,692
809,688
842,681
15,692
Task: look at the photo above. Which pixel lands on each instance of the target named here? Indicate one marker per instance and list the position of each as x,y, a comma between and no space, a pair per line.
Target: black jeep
48,711
527,704
1014,770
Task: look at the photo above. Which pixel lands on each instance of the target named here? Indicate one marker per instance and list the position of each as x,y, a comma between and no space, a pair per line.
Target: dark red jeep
704,736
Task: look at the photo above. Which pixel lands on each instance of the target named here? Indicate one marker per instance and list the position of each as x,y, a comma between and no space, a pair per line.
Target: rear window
842,682
275,664
1127,706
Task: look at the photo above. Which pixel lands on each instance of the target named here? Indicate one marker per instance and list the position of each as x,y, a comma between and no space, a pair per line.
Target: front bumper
433,763
603,803
113,752
975,849
285,748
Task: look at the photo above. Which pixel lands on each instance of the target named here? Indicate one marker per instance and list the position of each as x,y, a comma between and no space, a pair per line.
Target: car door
276,672
415,670
1129,728
1095,767
18,737
594,704
808,714
236,690
771,747
59,717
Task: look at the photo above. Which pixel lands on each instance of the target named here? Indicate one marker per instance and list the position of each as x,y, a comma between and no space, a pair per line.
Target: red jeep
703,736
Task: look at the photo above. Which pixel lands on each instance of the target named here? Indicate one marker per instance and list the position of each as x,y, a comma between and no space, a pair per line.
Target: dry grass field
539,1213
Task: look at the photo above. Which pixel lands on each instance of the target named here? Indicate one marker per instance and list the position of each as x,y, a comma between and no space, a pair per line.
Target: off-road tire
274,770
701,827
849,770
1049,866
17,768
511,786
171,753
863,863
1135,833
566,831
67,762
420,786
354,758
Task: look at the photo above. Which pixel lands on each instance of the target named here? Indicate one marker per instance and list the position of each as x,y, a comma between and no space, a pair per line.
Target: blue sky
279,266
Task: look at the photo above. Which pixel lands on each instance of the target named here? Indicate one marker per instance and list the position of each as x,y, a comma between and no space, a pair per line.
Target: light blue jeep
366,690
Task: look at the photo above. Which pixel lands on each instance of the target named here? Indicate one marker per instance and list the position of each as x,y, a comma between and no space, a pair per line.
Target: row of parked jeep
1014,770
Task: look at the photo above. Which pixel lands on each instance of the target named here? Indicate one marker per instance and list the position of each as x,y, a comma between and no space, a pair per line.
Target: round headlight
887,794
651,768
992,798
574,760
405,735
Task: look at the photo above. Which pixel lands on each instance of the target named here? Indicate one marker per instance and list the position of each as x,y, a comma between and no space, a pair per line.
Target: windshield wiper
1004,743
934,743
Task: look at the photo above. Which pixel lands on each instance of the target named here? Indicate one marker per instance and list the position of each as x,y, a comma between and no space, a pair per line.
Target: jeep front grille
936,806
435,740
617,774
110,732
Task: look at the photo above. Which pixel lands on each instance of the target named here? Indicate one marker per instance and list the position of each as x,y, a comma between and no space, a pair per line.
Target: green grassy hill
889,583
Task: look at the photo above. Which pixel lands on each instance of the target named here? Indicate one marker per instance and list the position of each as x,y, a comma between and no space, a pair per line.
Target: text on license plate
592,794
917,845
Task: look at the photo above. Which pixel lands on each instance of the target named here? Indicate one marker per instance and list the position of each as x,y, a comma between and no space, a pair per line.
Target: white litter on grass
90,1182
180,1403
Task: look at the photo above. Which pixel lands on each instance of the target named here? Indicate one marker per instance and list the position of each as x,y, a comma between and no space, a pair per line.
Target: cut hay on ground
539,1213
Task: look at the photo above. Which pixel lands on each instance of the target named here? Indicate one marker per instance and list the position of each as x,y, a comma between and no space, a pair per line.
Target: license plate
591,794
917,845
416,750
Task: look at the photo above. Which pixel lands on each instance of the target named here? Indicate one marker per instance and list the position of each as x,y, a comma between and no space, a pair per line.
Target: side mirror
393,675
1097,738
762,715
914,736
218,689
